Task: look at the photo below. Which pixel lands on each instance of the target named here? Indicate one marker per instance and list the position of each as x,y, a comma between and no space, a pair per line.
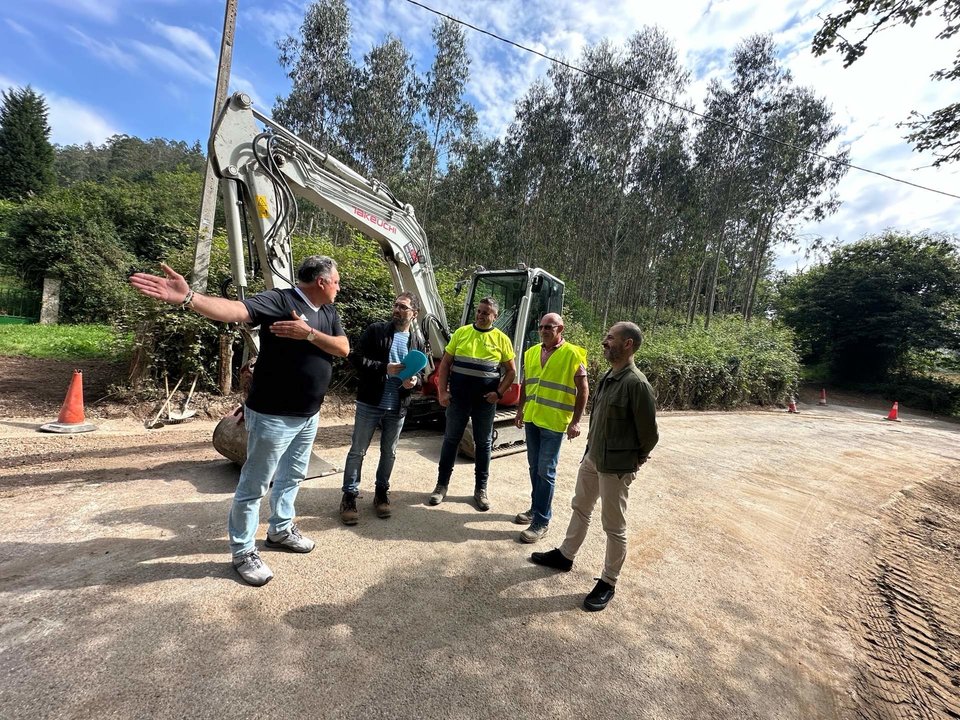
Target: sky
147,68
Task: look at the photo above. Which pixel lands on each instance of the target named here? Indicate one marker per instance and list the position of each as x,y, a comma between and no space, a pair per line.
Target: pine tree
26,155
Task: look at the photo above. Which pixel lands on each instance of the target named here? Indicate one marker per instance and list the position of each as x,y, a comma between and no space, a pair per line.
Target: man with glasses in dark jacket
382,400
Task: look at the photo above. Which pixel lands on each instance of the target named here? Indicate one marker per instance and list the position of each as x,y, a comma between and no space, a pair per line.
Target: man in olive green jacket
623,431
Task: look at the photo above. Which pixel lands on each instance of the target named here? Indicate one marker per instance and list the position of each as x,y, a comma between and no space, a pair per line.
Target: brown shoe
381,503
348,509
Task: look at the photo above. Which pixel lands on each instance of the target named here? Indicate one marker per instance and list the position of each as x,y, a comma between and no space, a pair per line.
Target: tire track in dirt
910,609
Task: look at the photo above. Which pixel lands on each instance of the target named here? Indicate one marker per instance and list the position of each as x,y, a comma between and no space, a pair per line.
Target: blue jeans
365,422
543,451
459,412
278,449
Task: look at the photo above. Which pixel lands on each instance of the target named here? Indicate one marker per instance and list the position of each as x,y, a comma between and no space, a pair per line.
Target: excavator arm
268,166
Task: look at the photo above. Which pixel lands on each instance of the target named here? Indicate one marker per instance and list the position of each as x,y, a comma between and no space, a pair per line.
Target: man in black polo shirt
300,335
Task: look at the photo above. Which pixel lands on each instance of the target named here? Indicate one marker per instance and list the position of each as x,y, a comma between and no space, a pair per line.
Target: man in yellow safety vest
552,399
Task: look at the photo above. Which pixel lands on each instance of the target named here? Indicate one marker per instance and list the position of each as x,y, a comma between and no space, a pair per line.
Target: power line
677,106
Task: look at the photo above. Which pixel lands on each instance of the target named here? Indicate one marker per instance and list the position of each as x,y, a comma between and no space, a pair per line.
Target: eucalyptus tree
385,98
725,147
323,76
448,118
620,102
794,178
466,209
536,184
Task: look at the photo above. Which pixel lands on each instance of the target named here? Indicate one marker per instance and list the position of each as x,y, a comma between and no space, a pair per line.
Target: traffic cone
71,419
894,412
823,397
792,406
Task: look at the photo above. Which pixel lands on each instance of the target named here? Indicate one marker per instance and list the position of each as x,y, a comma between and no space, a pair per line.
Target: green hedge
732,364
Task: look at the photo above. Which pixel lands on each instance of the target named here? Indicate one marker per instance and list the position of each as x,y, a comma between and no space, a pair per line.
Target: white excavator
263,166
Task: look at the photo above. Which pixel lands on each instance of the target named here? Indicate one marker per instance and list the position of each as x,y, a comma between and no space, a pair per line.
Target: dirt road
780,566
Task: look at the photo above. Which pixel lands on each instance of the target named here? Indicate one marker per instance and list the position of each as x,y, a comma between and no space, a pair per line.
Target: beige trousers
612,489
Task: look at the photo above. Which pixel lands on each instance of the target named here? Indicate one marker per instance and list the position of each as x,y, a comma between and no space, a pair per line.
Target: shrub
731,364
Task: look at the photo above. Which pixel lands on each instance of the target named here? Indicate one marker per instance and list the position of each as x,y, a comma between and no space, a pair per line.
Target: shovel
183,414
155,423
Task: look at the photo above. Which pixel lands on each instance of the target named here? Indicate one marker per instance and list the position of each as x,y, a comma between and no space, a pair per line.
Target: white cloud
108,52
106,11
181,67
187,41
71,121
271,23
20,29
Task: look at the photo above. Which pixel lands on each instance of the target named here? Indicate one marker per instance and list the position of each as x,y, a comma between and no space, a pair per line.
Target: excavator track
507,438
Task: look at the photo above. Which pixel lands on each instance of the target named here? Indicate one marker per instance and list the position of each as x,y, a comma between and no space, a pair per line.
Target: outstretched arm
174,289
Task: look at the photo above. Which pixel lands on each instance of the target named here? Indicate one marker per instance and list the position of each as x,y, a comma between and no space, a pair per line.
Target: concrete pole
208,203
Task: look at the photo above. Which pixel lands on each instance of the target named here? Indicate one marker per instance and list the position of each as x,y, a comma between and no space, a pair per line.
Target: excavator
263,168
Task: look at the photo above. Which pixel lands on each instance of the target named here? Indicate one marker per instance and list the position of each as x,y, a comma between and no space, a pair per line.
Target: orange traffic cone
823,397
71,419
894,412
792,407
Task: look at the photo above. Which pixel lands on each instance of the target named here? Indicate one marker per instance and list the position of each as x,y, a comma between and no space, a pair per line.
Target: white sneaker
252,569
290,539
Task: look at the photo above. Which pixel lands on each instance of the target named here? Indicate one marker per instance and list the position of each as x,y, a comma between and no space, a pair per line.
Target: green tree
123,156
385,99
875,302
940,130
26,155
319,65
449,119
65,233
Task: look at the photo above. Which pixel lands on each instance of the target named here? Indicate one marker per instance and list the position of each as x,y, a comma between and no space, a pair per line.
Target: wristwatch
310,336
499,394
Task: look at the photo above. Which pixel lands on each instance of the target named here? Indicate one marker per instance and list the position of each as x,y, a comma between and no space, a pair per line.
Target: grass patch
61,342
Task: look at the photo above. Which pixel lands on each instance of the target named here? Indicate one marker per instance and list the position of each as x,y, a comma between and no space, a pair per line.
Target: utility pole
208,203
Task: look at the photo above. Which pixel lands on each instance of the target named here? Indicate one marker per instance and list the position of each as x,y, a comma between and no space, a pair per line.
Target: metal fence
18,305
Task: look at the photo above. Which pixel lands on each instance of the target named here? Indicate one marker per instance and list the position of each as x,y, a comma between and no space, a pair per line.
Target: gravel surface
788,566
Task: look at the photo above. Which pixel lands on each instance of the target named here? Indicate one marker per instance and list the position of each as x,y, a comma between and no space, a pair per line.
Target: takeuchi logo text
374,220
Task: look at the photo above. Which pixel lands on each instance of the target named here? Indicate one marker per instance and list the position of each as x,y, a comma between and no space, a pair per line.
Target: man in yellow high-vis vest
552,399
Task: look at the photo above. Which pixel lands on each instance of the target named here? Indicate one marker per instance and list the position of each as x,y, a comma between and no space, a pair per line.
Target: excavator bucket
230,440
507,438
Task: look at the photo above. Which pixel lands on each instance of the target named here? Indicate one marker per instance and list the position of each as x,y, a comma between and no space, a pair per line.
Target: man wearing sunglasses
552,400
382,400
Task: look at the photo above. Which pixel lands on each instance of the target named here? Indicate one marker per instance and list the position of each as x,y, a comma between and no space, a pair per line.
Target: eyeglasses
548,327
401,306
